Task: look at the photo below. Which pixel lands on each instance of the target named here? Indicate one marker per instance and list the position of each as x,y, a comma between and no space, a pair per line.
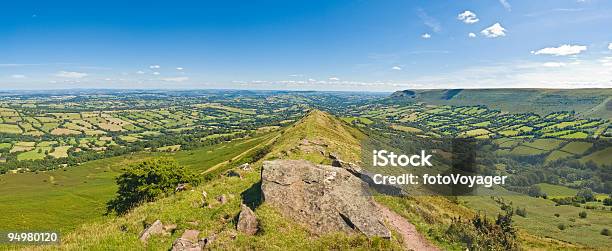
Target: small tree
582,214
586,194
146,181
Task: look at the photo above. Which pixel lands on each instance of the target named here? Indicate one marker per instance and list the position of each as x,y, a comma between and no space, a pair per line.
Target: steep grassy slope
63,199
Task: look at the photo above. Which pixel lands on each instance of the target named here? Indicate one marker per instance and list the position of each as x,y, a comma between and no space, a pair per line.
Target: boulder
247,222
245,167
324,198
188,242
181,187
156,228
222,199
233,173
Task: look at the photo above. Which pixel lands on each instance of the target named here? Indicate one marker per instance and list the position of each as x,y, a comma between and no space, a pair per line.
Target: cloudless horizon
338,45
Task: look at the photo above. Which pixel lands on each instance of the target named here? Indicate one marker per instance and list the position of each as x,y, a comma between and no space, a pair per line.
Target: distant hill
585,102
404,93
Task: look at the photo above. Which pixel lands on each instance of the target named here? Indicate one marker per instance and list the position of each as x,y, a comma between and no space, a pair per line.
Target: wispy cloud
494,31
429,21
610,46
471,34
334,79
397,68
176,79
179,68
506,5
18,76
426,36
468,17
154,66
555,10
563,50
18,65
71,74
553,64
156,73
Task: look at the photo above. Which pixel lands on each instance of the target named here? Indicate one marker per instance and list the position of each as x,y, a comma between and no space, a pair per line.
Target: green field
601,157
10,128
556,191
577,147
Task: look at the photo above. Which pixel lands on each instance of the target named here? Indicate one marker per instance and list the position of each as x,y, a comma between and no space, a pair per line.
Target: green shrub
521,212
561,226
557,215
607,201
582,214
482,234
146,181
605,232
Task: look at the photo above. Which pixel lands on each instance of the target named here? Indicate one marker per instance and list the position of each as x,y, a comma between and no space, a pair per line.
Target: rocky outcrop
189,242
247,222
325,198
156,228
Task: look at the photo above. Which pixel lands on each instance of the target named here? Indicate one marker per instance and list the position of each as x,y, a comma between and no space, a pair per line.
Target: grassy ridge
185,209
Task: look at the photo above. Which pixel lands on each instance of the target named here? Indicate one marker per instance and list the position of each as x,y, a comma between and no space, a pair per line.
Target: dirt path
413,240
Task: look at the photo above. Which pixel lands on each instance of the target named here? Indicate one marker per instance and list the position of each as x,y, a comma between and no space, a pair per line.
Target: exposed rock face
156,228
189,242
247,222
325,198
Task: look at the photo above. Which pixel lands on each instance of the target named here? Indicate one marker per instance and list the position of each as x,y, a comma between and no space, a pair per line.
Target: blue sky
381,45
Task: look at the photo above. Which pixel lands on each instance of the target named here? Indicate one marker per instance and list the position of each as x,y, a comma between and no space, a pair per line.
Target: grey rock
188,242
324,198
247,222
222,199
156,228
245,167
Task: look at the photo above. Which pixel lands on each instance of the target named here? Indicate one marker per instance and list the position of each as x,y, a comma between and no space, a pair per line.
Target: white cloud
71,74
176,79
426,36
312,80
506,5
154,66
553,64
140,72
397,68
610,46
179,68
563,50
18,76
155,73
468,17
429,21
471,34
494,31
334,79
